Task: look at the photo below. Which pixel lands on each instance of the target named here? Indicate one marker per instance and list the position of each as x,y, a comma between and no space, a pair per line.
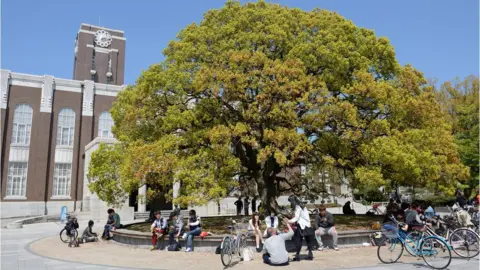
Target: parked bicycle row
423,233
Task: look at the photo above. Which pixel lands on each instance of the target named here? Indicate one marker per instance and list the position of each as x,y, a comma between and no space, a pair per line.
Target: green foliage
373,196
436,201
104,174
460,102
259,88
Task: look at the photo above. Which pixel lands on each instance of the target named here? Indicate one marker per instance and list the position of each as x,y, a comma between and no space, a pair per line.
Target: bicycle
375,210
70,230
232,244
464,241
425,246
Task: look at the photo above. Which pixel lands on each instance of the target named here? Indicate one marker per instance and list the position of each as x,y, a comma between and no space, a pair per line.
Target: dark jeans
239,211
106,230
266,260
171,236
246,211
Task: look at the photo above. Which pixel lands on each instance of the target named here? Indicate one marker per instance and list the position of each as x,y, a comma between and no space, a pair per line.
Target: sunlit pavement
15,253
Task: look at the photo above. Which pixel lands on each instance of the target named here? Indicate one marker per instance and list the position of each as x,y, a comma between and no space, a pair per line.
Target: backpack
377,238
174,247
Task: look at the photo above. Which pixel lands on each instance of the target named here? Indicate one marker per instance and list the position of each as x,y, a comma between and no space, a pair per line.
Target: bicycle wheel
435,252
64,236
465,243
412,242
226,254
242,244
390,250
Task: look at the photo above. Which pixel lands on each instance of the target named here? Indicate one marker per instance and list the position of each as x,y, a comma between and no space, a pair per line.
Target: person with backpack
88,235
159,228
176,231
303,227
195,229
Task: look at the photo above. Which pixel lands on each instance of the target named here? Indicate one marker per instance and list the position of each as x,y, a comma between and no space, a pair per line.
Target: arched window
22,124
105,123
66,127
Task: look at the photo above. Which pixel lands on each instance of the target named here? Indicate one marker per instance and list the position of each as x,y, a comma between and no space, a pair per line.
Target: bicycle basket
390,230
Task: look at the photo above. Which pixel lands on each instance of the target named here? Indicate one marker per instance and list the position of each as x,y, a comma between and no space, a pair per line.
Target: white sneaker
184,236
335,248
188,250
320,249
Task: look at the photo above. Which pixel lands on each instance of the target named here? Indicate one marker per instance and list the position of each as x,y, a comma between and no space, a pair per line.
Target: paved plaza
37,246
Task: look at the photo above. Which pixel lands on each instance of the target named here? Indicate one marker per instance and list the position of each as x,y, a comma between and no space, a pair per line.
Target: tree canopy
259,88
459,100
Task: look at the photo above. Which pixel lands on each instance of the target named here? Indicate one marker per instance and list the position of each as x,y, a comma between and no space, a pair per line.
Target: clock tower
99,55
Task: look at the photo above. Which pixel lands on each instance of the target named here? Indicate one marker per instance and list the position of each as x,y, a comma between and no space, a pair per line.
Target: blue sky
440,38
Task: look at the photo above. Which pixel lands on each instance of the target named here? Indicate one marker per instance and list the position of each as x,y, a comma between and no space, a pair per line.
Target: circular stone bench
210,243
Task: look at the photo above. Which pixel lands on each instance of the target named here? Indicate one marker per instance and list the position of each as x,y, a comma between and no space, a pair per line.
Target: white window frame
62,181
66,128
105,124
22,125
20,176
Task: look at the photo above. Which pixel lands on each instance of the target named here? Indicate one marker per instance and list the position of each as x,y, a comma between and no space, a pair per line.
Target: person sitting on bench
195,228
159,228
177,230
272,222
275,252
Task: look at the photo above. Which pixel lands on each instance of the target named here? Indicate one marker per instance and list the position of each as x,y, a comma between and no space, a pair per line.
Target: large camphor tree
257,88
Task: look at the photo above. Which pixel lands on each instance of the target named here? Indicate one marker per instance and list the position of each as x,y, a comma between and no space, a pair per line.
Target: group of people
245,205
113,222
299,227
161,227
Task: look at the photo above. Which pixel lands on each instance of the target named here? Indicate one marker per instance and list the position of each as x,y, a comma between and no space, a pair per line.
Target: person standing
325,224
303,227
254,204
239,204
246,203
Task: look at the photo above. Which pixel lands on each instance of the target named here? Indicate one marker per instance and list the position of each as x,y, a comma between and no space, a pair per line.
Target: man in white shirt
275,252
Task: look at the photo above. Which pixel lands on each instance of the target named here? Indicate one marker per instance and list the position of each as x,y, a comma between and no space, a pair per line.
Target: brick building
47,122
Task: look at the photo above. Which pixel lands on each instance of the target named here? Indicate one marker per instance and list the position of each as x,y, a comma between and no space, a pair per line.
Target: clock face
103,38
